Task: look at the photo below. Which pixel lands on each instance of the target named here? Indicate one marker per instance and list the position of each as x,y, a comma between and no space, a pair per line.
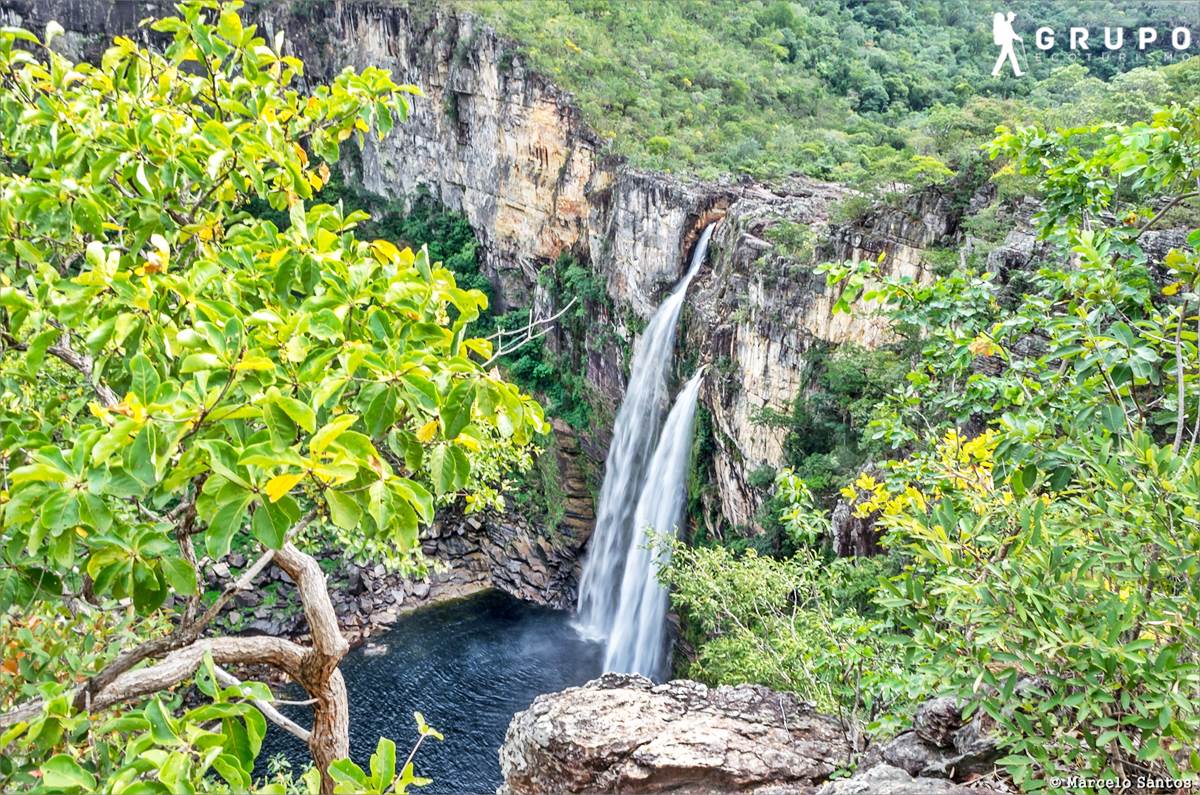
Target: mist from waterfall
638,642
635,433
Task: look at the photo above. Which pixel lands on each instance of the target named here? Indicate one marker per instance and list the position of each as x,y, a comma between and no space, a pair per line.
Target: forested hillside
848,91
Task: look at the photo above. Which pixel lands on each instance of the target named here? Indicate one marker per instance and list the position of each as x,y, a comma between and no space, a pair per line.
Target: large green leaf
456,409
344,510
383,764
299,413
180,575
228,518
144,378
449,468
61,772
162,724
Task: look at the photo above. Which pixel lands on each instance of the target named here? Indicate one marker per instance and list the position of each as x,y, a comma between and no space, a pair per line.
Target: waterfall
635,432
638,640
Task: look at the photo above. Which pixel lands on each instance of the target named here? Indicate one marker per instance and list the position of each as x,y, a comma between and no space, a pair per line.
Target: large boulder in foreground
623,733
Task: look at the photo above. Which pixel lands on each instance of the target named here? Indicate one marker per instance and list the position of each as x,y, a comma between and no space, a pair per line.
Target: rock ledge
622,733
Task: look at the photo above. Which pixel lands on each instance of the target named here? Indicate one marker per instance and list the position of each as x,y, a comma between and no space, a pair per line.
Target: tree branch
1158,216
526,334
315,668
179,665
319,674
79,361
514,332
1181,393
249,574
185,634
309,578
266,708
84,364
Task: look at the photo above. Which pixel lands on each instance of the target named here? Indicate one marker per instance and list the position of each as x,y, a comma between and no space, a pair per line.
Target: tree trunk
330,739
319,674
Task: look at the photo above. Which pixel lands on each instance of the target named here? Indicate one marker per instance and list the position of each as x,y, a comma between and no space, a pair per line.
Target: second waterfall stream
620,598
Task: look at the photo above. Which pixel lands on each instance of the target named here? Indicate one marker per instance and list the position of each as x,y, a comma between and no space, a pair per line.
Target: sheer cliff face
499,142
489,137
761,309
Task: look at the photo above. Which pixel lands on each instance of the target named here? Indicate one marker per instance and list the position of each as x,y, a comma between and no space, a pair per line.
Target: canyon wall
497,141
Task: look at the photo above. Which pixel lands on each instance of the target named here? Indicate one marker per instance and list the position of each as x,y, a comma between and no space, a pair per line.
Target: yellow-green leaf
282,484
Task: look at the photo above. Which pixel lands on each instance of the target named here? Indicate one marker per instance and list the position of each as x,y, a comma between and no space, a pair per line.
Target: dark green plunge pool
469,666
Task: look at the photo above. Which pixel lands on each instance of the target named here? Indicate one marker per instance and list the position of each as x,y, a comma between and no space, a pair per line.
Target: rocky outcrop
88,25
498,141
490,137
901,233
888,780
622,733
853,536
755,315
941,745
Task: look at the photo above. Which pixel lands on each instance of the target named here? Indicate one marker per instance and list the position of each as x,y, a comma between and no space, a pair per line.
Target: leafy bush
1052,558
1072,620
795,625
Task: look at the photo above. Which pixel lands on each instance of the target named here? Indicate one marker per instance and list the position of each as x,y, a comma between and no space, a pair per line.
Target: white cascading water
638,642
635,432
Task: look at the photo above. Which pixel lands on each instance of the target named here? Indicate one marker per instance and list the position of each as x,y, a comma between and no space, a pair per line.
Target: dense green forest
858,92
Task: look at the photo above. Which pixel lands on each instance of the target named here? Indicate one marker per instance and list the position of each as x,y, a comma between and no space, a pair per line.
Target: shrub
794,625
1047,511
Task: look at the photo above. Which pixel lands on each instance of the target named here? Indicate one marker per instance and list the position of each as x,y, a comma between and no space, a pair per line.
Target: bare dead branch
534,330
502,333
266,708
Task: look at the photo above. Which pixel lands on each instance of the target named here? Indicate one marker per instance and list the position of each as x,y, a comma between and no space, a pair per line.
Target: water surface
469,666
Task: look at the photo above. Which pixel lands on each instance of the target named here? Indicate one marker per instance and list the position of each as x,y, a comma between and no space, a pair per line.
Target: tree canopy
858,92
180,378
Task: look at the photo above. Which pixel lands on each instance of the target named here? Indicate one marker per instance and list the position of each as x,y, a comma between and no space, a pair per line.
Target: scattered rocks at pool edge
467,555
622,733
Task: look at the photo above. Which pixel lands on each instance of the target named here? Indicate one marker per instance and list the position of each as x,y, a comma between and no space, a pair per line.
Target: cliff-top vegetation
858,92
